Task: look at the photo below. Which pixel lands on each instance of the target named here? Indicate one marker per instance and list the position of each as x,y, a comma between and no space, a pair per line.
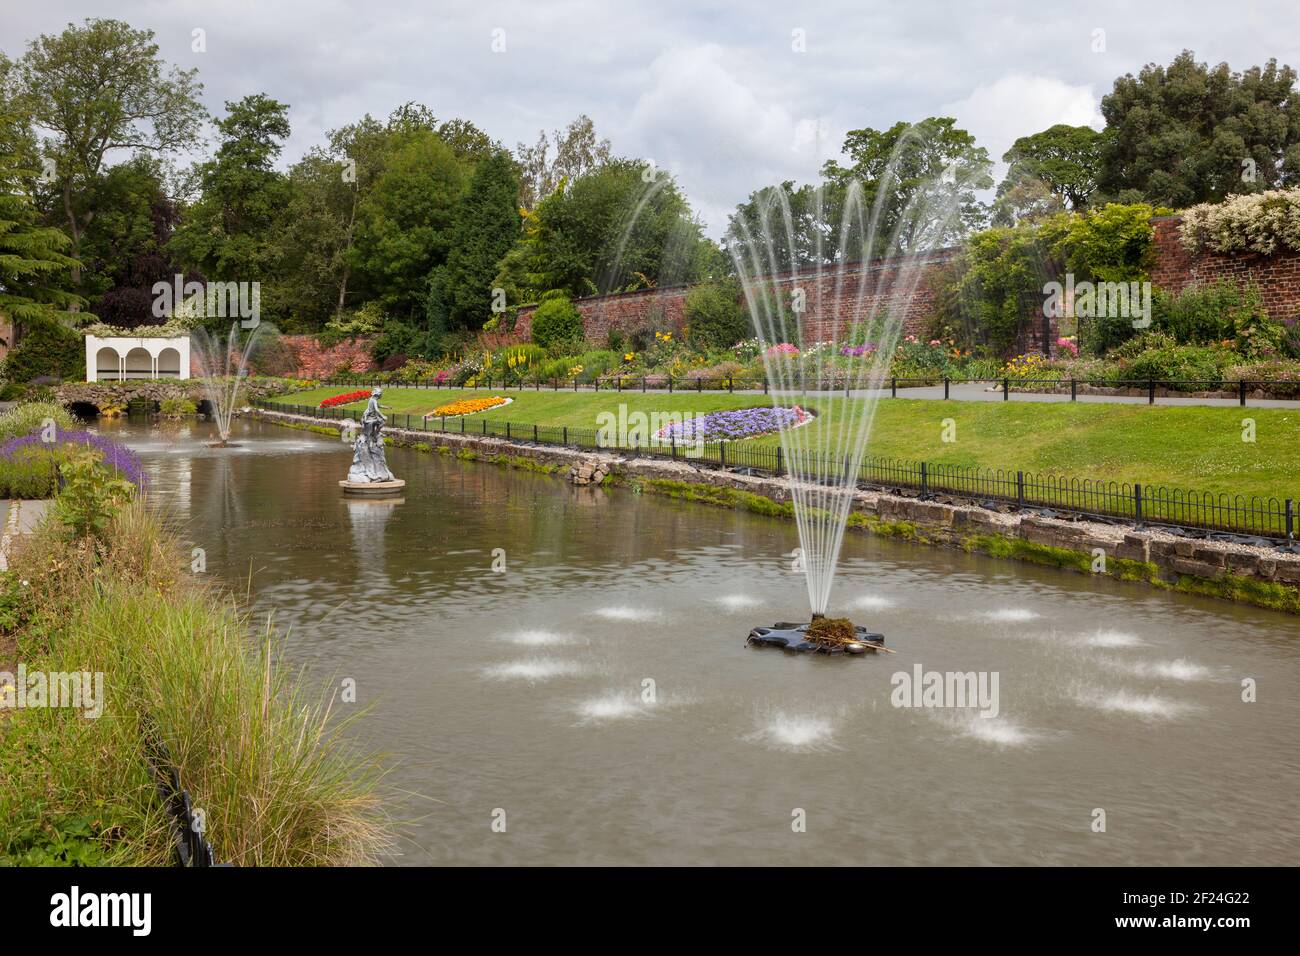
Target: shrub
177,408
1201,367
1217,312
1283,377
556,322
91,497
47,349
1265,223
28,417
715,316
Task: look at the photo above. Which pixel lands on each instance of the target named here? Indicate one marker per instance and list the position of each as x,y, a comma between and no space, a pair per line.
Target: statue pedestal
372,489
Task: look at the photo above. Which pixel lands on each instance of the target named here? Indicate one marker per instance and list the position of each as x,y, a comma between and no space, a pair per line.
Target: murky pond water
527,691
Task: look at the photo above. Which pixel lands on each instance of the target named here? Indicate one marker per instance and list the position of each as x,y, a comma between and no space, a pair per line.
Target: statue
369,466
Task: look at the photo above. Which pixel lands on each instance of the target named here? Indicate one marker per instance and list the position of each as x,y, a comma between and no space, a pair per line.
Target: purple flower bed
123,460
733,425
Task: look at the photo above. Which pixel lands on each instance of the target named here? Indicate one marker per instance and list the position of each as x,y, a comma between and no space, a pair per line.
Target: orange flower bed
467,406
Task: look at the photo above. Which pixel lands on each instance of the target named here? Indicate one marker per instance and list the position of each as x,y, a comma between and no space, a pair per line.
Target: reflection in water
601,692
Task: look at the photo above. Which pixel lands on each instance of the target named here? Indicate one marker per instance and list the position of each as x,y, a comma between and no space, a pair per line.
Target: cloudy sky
728,96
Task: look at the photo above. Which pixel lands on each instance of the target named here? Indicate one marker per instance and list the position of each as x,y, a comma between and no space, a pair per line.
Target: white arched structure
119,357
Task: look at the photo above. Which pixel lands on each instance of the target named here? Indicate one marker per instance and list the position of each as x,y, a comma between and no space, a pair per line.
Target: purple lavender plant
115,456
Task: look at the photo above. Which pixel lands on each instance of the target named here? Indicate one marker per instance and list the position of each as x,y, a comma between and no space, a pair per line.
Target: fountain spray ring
794,638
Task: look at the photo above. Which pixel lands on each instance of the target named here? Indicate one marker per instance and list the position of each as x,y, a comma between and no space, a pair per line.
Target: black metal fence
1241,389
1095,498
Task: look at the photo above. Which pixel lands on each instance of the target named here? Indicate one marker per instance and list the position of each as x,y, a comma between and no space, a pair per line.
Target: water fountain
822,481
223,363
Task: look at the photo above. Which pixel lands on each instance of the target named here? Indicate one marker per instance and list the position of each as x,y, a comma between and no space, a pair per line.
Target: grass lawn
1195,448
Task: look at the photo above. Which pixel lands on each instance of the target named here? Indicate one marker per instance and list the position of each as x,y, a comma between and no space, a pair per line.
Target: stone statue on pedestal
368,461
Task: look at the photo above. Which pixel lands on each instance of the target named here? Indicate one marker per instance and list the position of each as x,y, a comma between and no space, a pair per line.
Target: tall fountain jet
788,277
224,362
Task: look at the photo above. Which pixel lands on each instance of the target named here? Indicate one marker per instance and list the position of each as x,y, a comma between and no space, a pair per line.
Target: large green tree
126,247
404,224
1190,133
35,269
228,231
97,89
621,226
923,178
486,226
785,227
1061,163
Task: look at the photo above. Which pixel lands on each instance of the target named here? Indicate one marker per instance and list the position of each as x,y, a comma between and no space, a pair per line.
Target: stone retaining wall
1257,574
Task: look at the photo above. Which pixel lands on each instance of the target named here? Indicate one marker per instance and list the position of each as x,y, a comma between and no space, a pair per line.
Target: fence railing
1241,389
1141,504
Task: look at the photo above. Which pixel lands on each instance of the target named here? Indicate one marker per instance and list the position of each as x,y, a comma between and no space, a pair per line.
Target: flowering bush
466,406
347,398
733,425
1069,345
1265,222
28,462
1031,365
783,350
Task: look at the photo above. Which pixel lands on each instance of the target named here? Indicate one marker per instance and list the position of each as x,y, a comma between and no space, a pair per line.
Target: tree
1062,161
486,226
228,234
715,316
35,269
757,230
577,152
924,176
125,247
404,224
611,231
98,88
1186,133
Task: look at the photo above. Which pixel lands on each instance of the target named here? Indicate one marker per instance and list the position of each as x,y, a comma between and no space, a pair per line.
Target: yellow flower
467,406
629,356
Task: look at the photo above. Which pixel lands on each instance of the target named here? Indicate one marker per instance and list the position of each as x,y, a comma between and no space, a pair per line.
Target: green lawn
1197,448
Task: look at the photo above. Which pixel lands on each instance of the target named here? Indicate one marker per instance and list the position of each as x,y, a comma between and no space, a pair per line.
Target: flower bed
347,398
468,406
734,425
29,463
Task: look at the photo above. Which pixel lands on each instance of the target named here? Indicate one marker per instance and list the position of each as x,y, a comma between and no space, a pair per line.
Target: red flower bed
347,398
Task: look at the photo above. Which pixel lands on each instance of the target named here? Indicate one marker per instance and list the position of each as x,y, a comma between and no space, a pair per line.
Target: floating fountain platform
373,489
794,638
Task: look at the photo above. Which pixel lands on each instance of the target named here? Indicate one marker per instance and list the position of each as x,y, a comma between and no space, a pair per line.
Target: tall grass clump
28,417
278,782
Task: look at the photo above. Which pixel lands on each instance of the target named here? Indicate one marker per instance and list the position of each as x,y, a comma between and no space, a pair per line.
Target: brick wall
899,282
830,312
1277,276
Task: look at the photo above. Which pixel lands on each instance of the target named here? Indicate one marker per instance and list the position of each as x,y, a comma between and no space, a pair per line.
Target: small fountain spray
224,363
844,391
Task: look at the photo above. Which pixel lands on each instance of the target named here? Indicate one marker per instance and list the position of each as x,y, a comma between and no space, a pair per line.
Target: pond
596,697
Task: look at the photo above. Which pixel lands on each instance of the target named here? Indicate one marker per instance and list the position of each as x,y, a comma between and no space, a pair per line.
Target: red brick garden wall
902,283
830,312
1277,276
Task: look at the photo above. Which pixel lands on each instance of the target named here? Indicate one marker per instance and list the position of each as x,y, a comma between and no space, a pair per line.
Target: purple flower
733,425
115,456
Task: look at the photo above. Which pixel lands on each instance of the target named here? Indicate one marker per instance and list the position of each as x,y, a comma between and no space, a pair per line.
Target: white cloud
702,119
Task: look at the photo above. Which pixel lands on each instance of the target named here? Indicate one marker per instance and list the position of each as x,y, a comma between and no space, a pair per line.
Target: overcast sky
717,93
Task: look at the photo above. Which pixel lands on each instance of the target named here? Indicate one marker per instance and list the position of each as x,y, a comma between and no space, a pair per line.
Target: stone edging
1258,575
